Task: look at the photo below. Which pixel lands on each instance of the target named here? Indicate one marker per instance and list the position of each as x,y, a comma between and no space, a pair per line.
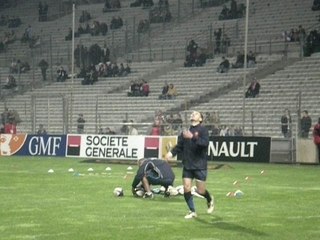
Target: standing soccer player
193,144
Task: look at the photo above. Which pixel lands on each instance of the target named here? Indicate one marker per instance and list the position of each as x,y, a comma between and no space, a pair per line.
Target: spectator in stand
305,124
145,89
124,128
14,66
43,64
69,36
62,74
143,26
135,89
131,129
224,66
10,82
172,92
316,5
233,9
155,128
192,49
164,92
136,3
253,90
286,123
80,124
10,127
239,61
5,116
316,137
85,16
41,130
251,60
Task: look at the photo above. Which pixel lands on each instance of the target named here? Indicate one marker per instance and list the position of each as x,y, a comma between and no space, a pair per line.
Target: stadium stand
157,57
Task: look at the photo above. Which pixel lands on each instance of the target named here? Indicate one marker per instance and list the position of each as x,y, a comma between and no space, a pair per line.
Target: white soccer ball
118,192
238,194
180,189
173,191
139,192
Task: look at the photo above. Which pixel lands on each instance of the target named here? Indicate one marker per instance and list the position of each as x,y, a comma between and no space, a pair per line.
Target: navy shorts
195,174
160,181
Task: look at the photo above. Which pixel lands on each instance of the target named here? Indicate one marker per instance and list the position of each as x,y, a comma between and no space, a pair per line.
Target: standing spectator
233,9
316,137
131,129
43,66
80,124
286,124
193,144
306,123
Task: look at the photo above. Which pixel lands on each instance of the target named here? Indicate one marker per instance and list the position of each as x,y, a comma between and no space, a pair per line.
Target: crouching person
152,172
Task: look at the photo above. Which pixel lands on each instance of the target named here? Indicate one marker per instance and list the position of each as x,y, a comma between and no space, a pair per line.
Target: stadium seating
106,103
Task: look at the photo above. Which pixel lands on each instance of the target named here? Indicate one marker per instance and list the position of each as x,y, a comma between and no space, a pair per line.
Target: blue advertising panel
33,145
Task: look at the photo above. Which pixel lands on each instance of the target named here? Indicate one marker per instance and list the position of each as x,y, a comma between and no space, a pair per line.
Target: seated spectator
239,61
14,66
85,16
172,92
145,89
147,3
251,60
164,92
136,3
122,71
159,15
10,82
128,69
62,74
254,89
14,22
134,90
41,130
223,66
116,23
27,35
2,46
201,57
103,29
24,67
69,36
95,28
312,43
316,5
143,26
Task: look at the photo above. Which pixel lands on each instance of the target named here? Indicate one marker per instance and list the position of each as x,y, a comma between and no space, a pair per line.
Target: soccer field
279,202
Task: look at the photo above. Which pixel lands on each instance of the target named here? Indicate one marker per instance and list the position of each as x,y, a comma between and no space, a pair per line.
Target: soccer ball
118,192
180,189
238,194
173,191
139,192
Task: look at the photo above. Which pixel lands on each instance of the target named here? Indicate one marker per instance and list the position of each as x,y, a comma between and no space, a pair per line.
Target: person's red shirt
10,128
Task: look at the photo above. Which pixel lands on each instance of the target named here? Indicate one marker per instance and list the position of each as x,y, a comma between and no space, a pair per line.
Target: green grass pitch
280,203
